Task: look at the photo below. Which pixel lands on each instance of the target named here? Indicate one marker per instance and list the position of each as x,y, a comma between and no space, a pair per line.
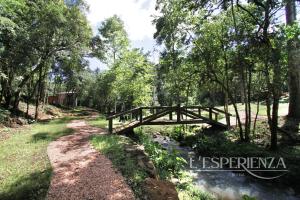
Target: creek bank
226,184
153,187
135,165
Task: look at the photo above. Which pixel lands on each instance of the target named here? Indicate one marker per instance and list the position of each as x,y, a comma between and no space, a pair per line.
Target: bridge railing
146,114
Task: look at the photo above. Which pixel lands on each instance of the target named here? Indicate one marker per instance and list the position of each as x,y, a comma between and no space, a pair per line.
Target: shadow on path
80,172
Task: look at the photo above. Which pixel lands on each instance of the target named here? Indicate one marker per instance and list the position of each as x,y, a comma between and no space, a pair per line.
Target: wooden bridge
163,115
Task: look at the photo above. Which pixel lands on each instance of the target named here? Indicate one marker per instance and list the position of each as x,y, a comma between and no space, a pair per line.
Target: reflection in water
226,184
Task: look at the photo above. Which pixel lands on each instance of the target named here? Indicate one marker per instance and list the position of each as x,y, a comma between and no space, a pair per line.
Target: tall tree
111,41
293,48
32,46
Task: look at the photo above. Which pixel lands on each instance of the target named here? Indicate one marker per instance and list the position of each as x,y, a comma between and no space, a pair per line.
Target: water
227,185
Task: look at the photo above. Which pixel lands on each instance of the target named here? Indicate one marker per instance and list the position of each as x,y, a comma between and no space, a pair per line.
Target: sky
137,16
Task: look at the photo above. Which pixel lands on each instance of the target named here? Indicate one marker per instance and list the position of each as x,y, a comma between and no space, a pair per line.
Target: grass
282,111
99,122
25,170
113,147
3,115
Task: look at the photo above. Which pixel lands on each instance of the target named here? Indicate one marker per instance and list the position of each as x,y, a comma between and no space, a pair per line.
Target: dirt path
80,172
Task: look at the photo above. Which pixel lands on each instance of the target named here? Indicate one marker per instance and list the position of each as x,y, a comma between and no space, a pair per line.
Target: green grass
99,122
25,170
113,147
282,111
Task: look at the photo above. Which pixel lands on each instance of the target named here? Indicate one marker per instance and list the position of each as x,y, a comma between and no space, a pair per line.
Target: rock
157,189
140,157
10,122
141,164
31,121
150,164
20,121
137,151
175,180
128,155
13,125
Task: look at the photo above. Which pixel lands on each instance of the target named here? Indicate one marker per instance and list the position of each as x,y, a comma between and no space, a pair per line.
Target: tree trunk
7,100
2,90
274,122
293,49
16,102
255,119
248,97
38,96
277,82
7,92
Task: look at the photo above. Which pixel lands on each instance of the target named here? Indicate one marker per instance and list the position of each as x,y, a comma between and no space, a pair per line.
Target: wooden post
210,113
178,113
110,125
199,111
137,114
216,116
227,120
171,115
141,115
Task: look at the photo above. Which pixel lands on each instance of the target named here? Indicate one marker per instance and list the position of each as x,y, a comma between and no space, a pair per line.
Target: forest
241,57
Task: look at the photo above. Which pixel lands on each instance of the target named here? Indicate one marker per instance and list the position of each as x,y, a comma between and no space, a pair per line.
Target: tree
172,30
30,46
293,50
134,79
232,46
111,41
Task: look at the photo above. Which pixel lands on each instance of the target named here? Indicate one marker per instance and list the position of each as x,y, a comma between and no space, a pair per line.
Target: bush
178,133
168,164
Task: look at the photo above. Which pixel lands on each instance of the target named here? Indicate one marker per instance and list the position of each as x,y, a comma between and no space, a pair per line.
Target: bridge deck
163,115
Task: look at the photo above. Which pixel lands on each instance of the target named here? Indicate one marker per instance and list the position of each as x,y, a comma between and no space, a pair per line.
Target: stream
226,184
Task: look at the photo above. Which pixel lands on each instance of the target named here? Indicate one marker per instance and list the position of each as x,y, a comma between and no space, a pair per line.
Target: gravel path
80,172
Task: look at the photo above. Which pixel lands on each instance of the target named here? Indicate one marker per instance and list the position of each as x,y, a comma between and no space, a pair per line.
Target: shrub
167,163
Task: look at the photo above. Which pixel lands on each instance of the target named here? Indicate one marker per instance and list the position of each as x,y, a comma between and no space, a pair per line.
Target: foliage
112,40
167,163
170,165
231,52
29,48
219,146
246,197
133,79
